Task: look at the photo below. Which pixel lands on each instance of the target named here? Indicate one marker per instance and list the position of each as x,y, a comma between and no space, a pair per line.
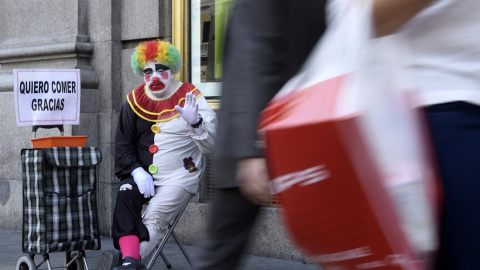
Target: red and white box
355,179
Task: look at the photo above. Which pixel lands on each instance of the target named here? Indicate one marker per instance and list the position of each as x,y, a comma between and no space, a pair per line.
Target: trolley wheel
77,265
26,263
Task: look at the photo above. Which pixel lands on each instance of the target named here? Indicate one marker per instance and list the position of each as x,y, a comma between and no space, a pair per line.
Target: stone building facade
98,38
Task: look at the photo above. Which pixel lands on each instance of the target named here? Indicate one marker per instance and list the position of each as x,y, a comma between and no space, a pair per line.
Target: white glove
189,112
144,182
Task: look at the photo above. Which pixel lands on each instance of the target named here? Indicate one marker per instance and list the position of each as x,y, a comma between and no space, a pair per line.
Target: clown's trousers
161,209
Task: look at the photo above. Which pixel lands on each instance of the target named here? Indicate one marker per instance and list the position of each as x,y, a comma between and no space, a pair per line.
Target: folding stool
171,230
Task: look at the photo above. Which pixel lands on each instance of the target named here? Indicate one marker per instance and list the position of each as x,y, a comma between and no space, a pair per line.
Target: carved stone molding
51,51
59,55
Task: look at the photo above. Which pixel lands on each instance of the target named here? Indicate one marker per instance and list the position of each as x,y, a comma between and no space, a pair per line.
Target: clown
164,127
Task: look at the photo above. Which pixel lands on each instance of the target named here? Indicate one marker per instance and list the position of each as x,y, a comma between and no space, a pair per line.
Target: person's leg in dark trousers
127,216
455,129
231,220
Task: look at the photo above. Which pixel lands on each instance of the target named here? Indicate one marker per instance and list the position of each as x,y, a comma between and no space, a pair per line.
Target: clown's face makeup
159,79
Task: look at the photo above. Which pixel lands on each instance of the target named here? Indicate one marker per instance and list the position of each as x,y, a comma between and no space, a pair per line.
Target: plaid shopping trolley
60,203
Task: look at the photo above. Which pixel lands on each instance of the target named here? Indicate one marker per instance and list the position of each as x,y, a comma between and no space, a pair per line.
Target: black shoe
130,263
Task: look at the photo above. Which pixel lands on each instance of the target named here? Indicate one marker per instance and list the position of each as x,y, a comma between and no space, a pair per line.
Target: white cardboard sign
47,96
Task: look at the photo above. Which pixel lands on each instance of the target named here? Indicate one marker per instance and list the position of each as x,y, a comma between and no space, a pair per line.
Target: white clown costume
164,127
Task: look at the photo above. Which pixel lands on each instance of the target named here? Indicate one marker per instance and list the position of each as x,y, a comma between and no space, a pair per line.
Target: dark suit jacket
265,45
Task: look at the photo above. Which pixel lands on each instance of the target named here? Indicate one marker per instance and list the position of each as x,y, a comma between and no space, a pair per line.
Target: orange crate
59,141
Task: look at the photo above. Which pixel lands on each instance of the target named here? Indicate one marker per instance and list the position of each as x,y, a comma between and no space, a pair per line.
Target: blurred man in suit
265,45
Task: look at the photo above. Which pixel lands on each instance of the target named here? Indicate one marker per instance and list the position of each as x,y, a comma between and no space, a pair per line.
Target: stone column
105,34
40,34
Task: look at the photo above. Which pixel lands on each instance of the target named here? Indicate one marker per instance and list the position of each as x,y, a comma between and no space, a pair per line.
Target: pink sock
130,246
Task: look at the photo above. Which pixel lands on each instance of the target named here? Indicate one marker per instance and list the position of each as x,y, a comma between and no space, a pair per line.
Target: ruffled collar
160,110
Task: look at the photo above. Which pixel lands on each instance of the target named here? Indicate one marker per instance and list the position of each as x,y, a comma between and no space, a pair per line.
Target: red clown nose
156,84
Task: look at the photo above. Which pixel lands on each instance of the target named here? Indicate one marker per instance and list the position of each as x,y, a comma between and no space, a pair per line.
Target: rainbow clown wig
158,51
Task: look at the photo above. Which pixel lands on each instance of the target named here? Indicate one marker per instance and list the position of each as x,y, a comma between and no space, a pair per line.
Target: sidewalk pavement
11,251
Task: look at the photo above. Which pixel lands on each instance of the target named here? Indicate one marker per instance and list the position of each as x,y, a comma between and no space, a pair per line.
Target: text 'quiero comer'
44,87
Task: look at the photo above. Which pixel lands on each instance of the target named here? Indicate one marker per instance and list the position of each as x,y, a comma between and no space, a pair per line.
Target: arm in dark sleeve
126,154
252,63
